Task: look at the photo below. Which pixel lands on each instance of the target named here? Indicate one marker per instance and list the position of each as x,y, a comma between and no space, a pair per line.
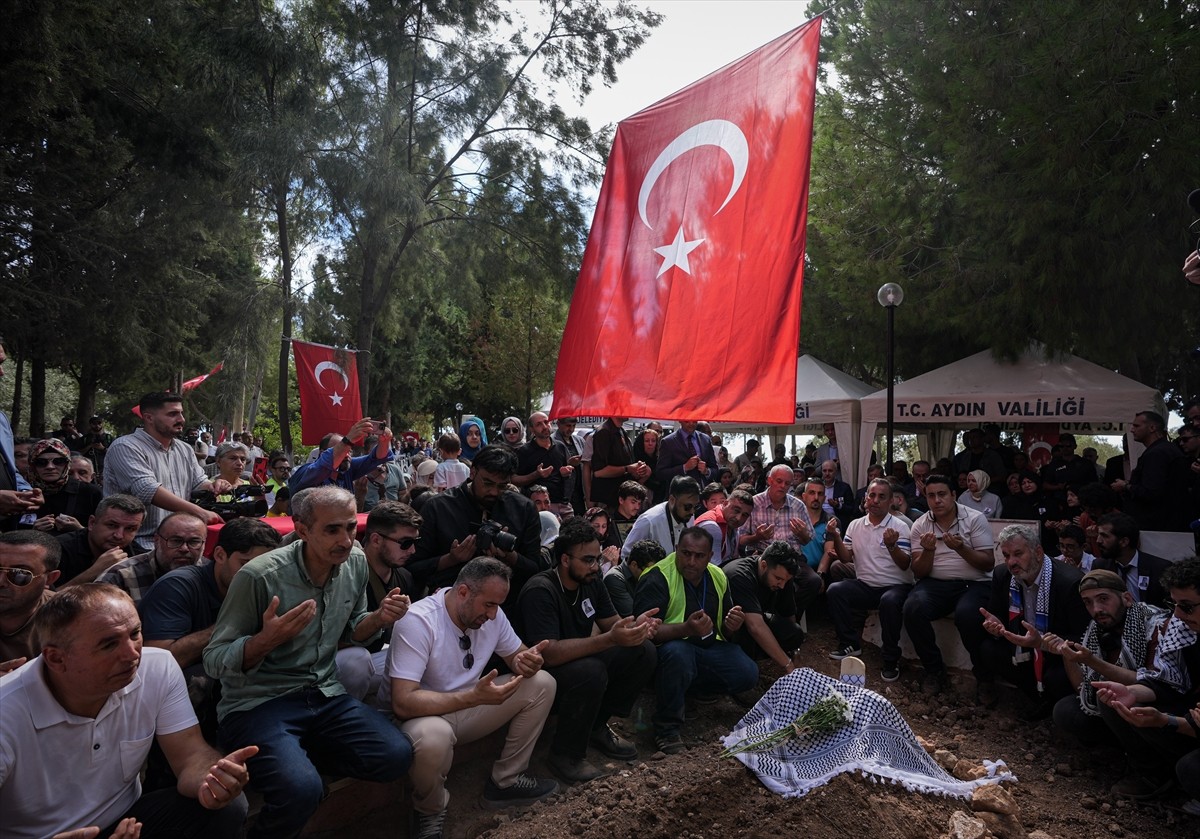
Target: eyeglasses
1185,608
20,577
591,561
464,643
282,468
51,461
175,543
512,431
404,543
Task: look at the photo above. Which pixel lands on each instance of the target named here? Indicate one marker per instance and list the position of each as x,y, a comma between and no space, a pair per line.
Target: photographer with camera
334,466
480,517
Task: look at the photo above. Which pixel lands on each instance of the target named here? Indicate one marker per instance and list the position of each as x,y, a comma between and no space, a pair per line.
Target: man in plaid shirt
179,541
777,516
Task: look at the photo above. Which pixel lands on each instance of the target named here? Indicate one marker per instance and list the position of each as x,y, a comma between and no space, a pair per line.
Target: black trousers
595,688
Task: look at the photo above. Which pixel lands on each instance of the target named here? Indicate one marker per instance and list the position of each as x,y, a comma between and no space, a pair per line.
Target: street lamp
890,296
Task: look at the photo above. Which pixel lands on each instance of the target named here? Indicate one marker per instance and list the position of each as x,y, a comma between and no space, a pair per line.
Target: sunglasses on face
20,577
464,643
404,543
512,431
51,461
1185,608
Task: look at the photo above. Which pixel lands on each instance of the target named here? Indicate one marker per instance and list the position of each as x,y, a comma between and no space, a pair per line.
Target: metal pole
891,374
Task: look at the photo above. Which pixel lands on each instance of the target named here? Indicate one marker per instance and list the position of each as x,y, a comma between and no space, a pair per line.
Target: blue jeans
682,666
931,599
849,601
299,732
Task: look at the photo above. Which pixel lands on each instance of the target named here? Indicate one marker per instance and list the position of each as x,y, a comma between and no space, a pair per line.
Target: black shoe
669,744
1141,787
576,770
891,671
428,826
607,741
935,682
987,695
526,789
845,652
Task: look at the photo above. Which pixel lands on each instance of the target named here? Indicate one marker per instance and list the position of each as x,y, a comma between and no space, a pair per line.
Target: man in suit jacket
839,495
686,452
1117,540
1032,595
1151,495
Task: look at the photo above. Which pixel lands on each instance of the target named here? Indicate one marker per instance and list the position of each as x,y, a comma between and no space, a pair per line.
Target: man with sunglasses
442,694
599,674
1157,718
666,521
28,569
178,542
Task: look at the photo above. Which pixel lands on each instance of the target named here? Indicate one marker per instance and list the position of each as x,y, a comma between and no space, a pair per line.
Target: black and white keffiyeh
877,742
1169,666
1141,625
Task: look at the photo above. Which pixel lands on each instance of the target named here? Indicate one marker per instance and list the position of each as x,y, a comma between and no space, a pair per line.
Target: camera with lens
249,501
490,533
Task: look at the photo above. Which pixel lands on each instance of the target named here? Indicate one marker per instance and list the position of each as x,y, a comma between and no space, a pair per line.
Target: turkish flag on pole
688,300
327,378
191,384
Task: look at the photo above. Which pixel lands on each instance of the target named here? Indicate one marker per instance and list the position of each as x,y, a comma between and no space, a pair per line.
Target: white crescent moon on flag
329,365
714,132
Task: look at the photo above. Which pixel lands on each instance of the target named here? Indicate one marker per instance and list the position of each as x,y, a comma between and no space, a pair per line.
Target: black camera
249,501
490,533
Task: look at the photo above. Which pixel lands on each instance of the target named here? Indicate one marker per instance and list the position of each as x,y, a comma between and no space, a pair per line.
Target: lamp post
890,295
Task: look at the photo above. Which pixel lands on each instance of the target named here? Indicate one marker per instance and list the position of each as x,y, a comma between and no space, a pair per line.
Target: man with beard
543,462
443,697
178,542
664,522
28,569
686,452
599,673
159,469
1119,641
765,590
273,649
1117,540
723,523
452,520
1031,596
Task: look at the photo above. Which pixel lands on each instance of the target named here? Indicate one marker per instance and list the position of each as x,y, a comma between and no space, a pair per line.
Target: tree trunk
37,398
285,345
87,394
18,387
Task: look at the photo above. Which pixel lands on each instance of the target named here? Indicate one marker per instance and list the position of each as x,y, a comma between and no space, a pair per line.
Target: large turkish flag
327,379
688,300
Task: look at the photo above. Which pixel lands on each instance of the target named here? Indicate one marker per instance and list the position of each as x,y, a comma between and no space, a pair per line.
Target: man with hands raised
273,648
442,695
600,674
335,466
694,653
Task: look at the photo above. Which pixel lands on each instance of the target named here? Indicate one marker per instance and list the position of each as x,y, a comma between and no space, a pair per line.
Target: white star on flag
335,398
676,253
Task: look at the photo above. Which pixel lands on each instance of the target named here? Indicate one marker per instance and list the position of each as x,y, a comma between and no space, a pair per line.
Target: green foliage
1016,169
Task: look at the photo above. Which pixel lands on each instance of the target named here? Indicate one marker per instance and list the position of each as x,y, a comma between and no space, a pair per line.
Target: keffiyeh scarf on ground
878,742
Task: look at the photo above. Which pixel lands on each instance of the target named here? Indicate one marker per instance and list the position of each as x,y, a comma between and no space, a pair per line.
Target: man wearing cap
1118,642
1031,597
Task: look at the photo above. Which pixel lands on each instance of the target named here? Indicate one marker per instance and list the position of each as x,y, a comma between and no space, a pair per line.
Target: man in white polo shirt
878,546
79,720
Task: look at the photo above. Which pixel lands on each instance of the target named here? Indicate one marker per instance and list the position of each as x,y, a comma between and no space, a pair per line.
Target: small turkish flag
688,300
327,379
192,384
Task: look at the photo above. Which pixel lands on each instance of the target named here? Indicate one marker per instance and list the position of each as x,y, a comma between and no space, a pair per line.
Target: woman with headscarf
512,433
69,503
472,436
978,498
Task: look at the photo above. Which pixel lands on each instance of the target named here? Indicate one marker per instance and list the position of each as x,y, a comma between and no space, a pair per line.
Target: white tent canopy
1076,394
824,394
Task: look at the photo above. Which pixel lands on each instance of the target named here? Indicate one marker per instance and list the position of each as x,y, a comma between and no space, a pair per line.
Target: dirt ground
1062,787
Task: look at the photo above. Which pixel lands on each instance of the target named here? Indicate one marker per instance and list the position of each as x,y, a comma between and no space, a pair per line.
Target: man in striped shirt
878,547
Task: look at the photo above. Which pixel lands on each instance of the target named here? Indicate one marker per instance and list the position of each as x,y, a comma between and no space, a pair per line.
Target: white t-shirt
59,771
873,564
975,531
450,473
426,648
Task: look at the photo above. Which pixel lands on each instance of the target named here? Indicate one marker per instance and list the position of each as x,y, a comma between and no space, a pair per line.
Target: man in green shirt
273,649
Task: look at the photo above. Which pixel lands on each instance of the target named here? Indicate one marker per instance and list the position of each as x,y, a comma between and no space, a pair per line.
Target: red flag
327,378
194,383
688,300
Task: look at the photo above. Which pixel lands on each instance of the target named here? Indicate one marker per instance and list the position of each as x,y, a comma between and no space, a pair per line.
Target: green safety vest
677,598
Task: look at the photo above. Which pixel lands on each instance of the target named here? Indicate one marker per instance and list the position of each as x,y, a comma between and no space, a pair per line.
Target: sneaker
526,789
576,770
669,744
428,826
607,741
987,695
891,671
1141,787
934,682
845,652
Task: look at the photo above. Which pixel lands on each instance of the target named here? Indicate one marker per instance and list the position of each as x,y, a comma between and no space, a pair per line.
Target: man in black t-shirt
765,589
598,675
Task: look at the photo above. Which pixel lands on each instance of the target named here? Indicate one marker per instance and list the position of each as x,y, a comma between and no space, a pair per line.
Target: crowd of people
378,604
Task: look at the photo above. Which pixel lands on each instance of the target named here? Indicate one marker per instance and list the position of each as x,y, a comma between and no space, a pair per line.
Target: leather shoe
576,770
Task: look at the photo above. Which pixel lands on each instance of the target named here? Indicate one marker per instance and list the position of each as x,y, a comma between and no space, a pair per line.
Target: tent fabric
824,394
1069,391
